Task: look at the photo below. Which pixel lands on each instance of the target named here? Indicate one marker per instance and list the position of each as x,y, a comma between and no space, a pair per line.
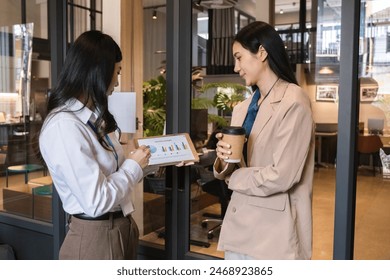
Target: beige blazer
270,212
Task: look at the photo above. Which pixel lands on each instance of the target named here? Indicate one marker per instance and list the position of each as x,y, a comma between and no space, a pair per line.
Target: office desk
320,135
385,140
31,201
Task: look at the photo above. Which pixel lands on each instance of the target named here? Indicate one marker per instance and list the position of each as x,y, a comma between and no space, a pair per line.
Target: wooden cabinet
31,201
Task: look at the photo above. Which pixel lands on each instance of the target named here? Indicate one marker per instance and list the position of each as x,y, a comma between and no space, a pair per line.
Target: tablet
170,149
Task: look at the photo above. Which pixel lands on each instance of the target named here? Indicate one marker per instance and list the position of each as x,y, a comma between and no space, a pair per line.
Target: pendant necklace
265,96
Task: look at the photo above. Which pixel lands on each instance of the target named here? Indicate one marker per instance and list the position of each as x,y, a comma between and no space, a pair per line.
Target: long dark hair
260,33
87,72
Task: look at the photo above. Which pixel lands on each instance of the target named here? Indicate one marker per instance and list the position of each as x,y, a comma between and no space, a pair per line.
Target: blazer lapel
241,114
266,109
263,116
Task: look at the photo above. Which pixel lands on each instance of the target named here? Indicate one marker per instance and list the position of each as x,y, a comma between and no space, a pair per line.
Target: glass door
24,174
173,198
372,190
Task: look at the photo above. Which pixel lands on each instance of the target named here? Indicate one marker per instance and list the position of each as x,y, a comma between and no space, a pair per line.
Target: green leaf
202,103
220,121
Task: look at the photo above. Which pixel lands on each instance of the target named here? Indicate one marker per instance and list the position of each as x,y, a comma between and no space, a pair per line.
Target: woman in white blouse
79,142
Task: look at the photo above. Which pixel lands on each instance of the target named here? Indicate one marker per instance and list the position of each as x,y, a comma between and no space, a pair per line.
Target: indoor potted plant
227,95
154,101
154,111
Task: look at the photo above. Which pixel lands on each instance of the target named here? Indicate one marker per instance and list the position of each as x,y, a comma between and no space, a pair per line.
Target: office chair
220,189
370,144
20,154
209,184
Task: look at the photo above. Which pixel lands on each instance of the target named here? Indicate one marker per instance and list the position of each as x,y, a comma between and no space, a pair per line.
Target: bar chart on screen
170,149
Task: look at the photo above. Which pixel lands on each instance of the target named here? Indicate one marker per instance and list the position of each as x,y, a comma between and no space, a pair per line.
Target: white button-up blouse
85,174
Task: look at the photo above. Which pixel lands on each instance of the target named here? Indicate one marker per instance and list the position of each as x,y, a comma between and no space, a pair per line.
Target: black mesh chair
215,187
220,189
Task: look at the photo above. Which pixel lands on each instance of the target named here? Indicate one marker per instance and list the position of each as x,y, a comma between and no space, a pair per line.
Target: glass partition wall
25,189
373,185
25,79
205,205
314,49
322,81
25,83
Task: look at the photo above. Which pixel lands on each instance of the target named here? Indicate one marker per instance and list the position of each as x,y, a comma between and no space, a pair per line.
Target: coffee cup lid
235,130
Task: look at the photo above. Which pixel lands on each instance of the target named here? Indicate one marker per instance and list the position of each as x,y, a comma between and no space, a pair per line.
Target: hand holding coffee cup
231,143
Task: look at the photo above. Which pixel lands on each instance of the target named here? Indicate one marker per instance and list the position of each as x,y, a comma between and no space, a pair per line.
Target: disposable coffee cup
235,137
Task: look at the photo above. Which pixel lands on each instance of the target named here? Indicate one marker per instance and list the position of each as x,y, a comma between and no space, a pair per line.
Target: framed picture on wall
327,92
368,94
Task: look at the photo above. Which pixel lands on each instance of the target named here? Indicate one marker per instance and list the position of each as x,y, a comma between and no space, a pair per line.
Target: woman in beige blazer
270,212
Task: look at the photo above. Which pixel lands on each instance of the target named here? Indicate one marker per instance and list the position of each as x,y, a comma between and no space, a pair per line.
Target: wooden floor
372,225
372,221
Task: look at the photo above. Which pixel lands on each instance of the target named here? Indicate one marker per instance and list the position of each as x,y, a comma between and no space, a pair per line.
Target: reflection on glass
372,222
24,184
375,43
152,223
23,35
10,12
36,12
328,41
153,228
15,70
298,41
83,15
81,22
209,200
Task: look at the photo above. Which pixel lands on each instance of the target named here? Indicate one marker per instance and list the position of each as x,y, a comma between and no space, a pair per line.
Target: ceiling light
154,14
281,11
325,70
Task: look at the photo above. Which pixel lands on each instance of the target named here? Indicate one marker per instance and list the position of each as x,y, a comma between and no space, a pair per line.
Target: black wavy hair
87,73
260,33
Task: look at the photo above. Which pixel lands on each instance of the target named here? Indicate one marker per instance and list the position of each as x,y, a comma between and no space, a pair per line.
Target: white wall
112,23
112,19
327,112
112,27
262,10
